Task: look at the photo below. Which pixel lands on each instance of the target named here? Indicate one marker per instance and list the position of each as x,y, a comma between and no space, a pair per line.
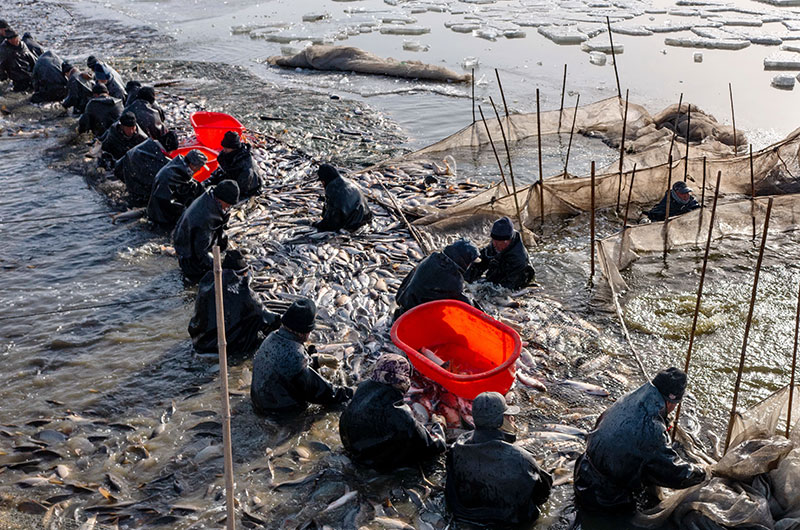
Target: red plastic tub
210,127
482,351
211,165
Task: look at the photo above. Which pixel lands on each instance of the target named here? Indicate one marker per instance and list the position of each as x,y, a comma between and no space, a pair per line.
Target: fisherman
138,168
439,276
505,260
174,189
105,74
101,112
79,88
3,28
16,61
628,453
245,315
33,45
345,205
132,89
381,432
236,163
489,480
149,116
122,136
285,379
681,202
49,81
202,226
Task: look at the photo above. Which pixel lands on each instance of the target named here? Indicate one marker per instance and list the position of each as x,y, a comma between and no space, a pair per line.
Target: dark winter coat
238,165
345,207
491,481
49,84
676,207
174,189
437,277
16,64
148,118
79,92
379,430
100,114
283,381
138,169
33,45
629,450
115,85
201,226
510,268
245,316
116,144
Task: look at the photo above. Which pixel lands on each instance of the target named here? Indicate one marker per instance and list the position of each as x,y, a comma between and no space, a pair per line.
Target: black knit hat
234,260
503,229
91,61
99,89
66,68
227,191
299,317
671,383
231,140
4,24
170,141
147,93
128,119
11,33
327,173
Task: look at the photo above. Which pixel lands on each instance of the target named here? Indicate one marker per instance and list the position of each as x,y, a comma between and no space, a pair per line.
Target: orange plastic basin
210,127
211,165
482,350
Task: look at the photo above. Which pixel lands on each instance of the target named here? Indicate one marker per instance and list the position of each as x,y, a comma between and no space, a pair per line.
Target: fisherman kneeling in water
174,188
345,205
285,379
505,260
124,135
101,112
681,201
628,454
245,315
490,481
381,432
140,165
236,163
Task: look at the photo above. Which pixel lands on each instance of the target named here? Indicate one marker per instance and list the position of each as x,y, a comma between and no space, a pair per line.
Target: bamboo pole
692,334
563,90
749,321
703,189
794,366
733,119
669,201
473,95
494,150
688,128
752,193
511,174
628,202
614,57
675,125
591,229
226,406
622,150
571,133
503,95
539,148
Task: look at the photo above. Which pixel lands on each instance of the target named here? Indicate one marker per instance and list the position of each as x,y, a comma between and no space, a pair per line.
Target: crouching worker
439,276
378,430
236,163
345,205
122,136
245,315
100,113
49,81
174,188
628,454
681,201
505,260
202,226
140,165
490,481
285,379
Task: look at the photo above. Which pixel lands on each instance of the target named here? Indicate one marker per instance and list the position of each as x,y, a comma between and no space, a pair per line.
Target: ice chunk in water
631,29
404,30
601,45
563,34
782,61
597,58
791,48
398,19
765,40
414,46
792,25
514,34
469,63
668,27
314,17
784,81
710,44
698,57
464,28
486,33
741,21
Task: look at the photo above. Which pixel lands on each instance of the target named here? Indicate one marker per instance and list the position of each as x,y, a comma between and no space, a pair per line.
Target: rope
83,308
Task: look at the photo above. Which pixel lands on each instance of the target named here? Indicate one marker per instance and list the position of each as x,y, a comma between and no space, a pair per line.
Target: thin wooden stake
703,189
666,212
539,148
503,95
749,321
511,174
222,346
494,150
622,150
628,203
675,125
733,119
473,95
614,57
563,89
591,229
794,366
571,133
688,128
752,193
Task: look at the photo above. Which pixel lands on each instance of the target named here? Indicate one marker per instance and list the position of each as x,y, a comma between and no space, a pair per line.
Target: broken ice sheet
563,34
782,61
784,81
709,44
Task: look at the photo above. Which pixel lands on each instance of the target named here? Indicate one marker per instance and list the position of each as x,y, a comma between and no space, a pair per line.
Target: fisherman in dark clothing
345,205
202,226
489,480
628,454
174,189
285,380
16,61
105,74
149,117
439,276
245,315
236,163
124,135
49,82
132,89
138,168
32,44
505,260
79,89
101,112
681,202
378,430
